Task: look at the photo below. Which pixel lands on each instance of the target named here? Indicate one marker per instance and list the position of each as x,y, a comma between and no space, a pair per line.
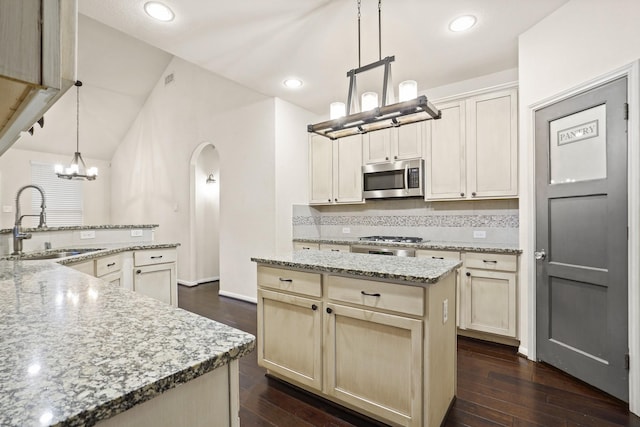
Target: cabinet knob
314,307
461,194
395,157
386,158
468,274
329,311
473,194
335,199
138,271
328,200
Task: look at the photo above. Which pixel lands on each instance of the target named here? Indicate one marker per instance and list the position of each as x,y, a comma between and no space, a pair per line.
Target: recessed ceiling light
462,23
292,83
159,11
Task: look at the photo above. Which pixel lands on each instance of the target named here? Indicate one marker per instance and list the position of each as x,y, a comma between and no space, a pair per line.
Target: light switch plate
136,233
88,234
346,230
445,311
479,234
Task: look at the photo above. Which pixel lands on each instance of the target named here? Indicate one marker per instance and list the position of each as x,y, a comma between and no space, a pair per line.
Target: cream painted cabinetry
303,246
335,170
38,51
471,153
401,143
332,247
489,293
154,274
454,255
109,269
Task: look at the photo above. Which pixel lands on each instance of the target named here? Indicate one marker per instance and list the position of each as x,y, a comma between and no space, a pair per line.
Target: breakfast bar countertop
404,269
76,350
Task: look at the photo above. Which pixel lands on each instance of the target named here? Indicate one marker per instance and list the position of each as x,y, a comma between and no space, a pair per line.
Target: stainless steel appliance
404,178
386,250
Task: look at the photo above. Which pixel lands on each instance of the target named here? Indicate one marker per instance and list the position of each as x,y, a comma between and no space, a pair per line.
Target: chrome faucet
18,235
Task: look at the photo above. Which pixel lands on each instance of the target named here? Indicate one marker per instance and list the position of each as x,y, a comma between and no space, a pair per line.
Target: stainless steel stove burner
394,239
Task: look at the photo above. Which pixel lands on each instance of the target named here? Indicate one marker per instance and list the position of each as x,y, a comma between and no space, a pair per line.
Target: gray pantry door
581,236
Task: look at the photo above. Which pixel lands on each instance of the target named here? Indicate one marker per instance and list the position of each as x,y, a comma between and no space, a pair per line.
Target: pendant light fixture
374,116
77,170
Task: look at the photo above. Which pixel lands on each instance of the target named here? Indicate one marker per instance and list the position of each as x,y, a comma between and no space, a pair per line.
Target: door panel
581,223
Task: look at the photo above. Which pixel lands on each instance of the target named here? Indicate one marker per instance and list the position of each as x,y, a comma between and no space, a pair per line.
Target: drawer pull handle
335,250
314,307
489,261
437,257
111,264
138,271
329,311
285,280
369,295
156,257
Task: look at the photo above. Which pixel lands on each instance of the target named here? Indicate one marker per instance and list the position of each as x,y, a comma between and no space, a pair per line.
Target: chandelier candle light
352,120
77,170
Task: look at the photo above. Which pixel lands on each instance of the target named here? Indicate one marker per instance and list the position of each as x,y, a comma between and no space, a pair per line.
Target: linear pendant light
379,117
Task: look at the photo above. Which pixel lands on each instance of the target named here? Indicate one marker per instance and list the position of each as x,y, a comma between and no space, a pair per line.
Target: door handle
540,255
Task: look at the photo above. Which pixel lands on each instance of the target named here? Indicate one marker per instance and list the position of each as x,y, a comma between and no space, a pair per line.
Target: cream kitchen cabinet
109,269
489,294
332,247
303,246
401,143
454,255
472,151
38,51
335,170
154,274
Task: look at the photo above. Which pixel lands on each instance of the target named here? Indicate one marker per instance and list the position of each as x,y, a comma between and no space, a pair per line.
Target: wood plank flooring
496,387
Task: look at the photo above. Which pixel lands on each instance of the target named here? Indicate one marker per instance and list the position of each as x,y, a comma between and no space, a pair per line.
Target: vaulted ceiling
257,43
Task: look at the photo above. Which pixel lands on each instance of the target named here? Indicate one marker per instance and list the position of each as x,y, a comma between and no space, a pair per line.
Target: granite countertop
104,249
79,227
76,350
404,269
445,246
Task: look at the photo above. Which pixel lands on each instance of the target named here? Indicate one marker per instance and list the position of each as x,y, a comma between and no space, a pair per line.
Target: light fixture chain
359,55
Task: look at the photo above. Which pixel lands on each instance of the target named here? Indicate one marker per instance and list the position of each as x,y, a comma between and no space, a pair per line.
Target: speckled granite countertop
104,249
404,269
75,350
445,246
80,227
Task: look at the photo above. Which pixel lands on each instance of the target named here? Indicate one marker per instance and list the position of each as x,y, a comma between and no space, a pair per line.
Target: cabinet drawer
108,265
154,257
334,248
298,282
301,246
436,254
487,261
380,295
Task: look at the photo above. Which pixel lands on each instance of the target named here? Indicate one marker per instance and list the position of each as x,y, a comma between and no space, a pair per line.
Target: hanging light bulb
369,101
77,169
337,110
407,90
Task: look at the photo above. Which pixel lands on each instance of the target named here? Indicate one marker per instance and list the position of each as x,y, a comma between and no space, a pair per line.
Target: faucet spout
18,235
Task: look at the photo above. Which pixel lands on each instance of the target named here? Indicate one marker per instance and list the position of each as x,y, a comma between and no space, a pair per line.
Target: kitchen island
76,351
373,333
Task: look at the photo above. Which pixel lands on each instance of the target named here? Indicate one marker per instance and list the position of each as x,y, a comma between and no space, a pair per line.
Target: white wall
15,171
582,40
292,167
151,169
207,215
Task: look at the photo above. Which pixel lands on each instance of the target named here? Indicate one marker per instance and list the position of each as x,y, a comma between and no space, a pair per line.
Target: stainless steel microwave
403,178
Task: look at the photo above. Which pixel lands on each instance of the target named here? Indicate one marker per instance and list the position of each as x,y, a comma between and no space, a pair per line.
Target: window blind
64,197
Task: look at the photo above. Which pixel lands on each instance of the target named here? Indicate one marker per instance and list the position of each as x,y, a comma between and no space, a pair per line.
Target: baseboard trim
238,296
197,282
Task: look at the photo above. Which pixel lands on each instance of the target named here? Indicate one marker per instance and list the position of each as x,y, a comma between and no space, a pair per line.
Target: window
64,197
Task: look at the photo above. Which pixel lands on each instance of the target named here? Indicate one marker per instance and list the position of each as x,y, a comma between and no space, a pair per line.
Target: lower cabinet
301,246
154,274
387,350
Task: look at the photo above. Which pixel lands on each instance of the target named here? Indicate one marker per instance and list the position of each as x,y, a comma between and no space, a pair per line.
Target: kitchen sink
59,253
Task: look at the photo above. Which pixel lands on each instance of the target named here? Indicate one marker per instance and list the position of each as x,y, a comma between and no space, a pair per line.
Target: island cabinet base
386,350
209,400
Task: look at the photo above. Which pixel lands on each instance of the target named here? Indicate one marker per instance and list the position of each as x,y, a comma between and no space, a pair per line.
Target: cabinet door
492,142
301,246
289,337
490,302
321,170
388,385
114,278
445,154
453,255
347,175
377,146
20,44
157,281
408,141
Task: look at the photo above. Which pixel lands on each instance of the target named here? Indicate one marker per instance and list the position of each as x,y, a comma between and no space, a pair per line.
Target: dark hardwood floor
496,387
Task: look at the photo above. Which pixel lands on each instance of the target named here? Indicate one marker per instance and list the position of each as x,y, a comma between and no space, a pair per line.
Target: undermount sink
60,254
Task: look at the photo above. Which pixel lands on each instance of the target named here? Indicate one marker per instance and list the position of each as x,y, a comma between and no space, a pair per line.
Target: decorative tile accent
485,221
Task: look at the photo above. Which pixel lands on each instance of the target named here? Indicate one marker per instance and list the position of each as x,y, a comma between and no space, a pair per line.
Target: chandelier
77,170
354,118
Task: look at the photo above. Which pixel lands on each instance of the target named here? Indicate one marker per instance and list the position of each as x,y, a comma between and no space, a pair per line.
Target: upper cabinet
472,151
38,51
335,170
392,144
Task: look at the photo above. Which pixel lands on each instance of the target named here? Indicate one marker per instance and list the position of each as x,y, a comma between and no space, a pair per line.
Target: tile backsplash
453,221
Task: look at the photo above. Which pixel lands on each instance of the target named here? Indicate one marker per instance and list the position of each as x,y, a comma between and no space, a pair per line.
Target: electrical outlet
88,234
136,233
445,311
346,230
479,234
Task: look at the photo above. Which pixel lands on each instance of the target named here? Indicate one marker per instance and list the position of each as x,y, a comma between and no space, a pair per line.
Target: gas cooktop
394,239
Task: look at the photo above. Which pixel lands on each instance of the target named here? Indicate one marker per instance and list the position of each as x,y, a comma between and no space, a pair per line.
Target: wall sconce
211,179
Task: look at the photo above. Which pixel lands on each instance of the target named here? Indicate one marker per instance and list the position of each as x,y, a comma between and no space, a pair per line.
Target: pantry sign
578,133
